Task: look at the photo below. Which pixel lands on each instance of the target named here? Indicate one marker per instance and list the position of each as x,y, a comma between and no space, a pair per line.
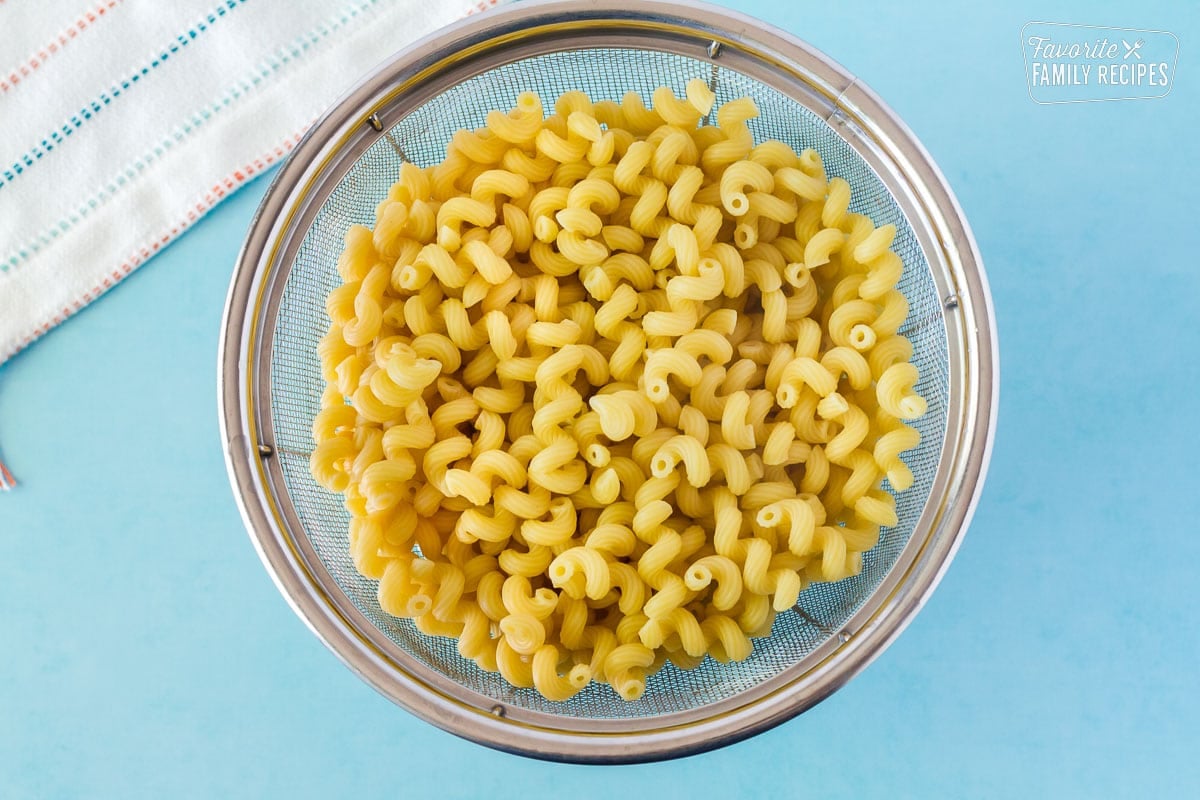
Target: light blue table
145,653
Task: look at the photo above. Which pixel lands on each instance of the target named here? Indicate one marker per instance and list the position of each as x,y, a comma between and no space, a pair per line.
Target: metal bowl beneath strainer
271,384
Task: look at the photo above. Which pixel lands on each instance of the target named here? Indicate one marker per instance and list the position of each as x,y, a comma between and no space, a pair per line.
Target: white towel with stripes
122,122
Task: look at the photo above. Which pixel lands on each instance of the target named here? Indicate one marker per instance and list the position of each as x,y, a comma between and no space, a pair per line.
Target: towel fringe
7,481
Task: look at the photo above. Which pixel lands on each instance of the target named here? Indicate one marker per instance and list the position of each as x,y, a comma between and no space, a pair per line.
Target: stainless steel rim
475,45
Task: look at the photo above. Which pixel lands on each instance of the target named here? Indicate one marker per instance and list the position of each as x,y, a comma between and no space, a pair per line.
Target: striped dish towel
120,111
122,122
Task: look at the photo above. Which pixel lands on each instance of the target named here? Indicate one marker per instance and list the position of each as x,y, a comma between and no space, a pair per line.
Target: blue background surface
144,652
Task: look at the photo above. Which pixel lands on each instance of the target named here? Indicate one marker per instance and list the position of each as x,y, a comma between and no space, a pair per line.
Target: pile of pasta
609,387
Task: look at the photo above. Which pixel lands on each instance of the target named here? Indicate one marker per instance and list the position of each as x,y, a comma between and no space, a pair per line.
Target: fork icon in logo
1132,49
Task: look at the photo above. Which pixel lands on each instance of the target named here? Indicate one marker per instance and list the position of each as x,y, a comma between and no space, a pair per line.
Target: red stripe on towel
30,65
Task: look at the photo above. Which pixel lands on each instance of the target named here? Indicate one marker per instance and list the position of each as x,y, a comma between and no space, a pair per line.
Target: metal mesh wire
421,137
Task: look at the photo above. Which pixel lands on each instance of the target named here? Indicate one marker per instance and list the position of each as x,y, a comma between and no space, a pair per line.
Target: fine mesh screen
421,137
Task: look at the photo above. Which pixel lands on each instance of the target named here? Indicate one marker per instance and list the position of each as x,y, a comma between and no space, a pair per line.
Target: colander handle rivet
375,122
265,450
844,637
714,49
498,710
950,302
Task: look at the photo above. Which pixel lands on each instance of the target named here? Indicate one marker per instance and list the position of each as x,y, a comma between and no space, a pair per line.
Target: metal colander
271,380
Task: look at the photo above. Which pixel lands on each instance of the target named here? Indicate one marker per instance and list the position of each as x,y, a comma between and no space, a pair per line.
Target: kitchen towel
122,122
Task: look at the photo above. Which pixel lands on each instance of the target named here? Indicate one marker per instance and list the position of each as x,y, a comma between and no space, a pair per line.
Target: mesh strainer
270,380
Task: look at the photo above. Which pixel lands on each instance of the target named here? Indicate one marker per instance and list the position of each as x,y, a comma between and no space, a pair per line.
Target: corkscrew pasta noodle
608,387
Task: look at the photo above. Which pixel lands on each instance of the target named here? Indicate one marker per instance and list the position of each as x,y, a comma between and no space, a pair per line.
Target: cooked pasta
608,387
